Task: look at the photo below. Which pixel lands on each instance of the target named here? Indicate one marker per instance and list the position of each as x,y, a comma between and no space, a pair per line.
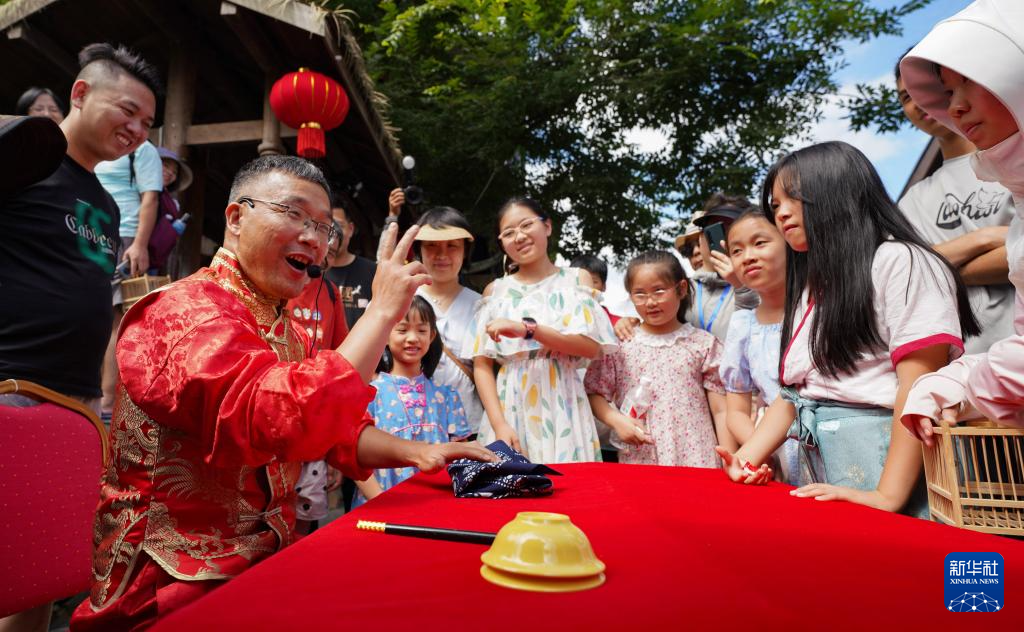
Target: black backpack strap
131,169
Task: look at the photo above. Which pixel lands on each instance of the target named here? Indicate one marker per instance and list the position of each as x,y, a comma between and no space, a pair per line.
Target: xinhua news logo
974,582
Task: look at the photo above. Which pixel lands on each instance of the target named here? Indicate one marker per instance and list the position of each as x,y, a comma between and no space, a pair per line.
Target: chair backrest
51,459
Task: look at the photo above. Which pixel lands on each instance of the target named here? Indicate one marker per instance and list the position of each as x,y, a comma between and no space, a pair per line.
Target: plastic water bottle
178,225
636,404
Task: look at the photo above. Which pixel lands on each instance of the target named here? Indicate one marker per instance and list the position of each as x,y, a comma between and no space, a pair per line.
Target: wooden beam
253,37
298,14
42,44
233,132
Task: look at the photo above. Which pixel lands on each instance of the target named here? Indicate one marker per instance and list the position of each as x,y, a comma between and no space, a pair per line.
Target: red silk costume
216,410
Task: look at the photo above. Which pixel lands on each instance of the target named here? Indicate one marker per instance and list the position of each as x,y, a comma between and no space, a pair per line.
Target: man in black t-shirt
60,234
352,274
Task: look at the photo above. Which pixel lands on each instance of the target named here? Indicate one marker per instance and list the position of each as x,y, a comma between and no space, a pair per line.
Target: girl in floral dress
408,404
687,416
541,324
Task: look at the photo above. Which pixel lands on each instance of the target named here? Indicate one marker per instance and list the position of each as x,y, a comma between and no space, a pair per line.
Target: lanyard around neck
718,308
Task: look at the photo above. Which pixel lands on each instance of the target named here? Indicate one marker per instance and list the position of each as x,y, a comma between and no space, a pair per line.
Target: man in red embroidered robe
218,404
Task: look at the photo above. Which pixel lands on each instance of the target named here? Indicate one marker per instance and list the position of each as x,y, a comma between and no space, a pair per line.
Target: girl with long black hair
869,308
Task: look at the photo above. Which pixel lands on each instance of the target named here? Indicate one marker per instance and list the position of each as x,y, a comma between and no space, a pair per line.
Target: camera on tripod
413,193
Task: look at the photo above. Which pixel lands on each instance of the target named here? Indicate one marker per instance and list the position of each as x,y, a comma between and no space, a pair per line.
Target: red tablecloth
685,548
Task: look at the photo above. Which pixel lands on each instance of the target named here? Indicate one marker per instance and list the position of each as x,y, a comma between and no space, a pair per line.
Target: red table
685,548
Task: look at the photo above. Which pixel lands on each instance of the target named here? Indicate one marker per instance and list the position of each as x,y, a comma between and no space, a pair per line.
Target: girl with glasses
686,416
540,324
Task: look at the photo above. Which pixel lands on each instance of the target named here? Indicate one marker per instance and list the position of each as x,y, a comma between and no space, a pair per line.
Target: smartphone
715,234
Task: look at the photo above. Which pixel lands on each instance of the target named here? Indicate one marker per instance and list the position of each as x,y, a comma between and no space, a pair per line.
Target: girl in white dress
541,324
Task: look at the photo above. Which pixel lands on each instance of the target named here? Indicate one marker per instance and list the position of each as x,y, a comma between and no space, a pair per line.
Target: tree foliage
544,97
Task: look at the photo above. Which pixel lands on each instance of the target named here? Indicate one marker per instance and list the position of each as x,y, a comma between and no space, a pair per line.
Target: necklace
441,303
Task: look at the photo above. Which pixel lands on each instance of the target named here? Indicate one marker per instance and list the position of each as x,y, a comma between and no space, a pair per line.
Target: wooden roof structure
218,59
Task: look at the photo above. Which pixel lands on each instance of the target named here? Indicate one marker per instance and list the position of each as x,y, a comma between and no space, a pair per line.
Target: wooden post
178,107
181,99
271,126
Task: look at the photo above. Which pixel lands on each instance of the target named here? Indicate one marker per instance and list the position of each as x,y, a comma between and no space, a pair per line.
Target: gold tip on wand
430,533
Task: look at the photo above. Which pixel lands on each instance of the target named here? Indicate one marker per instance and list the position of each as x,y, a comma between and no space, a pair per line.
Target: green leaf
542,97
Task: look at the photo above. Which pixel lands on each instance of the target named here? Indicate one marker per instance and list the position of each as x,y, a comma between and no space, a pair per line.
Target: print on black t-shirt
88,223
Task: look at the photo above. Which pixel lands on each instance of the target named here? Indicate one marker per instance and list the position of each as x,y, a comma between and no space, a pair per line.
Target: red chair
50,466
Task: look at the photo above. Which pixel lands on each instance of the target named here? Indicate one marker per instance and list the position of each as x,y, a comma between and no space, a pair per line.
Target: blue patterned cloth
415,409
847,446
513,476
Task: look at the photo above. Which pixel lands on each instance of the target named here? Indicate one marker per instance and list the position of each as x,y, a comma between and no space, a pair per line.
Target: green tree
503,97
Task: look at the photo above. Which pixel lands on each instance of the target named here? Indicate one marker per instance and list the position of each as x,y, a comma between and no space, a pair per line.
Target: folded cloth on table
513,476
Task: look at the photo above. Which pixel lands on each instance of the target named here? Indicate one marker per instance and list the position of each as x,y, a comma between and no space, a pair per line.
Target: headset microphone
314,272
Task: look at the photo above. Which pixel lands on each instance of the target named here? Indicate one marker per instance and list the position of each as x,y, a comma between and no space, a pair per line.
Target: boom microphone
314,272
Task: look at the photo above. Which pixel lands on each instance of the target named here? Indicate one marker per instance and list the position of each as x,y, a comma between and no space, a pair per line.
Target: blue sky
894,155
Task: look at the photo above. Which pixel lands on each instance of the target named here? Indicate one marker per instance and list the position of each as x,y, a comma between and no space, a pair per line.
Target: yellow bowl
542,544
540,584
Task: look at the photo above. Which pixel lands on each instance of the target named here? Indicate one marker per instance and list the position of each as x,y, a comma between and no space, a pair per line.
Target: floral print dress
541,391
415,409
683,366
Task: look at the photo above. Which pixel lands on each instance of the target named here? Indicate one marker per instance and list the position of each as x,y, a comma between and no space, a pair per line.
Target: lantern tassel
311,143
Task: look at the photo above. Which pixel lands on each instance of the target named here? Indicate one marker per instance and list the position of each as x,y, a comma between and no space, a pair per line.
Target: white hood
984,42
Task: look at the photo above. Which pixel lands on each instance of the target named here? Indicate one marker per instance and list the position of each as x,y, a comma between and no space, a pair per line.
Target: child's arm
903,463
370,488
737,416
487,389
717,404
549,337
767,437
624,426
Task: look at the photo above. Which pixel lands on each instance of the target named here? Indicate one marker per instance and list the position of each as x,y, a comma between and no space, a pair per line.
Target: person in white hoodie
968,73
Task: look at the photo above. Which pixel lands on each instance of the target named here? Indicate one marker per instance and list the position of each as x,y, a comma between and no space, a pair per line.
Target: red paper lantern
311,103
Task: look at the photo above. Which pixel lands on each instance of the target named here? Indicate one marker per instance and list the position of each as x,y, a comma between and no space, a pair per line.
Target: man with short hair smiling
60,234
218,404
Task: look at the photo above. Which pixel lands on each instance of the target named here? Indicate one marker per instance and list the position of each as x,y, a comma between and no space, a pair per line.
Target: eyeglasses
510,233
323,230
639,298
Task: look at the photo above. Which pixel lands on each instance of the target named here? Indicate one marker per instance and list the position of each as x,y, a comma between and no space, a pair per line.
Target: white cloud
832,126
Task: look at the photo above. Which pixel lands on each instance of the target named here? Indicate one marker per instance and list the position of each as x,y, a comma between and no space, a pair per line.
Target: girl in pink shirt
869,308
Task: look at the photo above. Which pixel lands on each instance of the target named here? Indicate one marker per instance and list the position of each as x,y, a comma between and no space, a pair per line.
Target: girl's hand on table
739,470
826,492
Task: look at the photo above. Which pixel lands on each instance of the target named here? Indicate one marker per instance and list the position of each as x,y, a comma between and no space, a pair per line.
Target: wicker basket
975,474
135,288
